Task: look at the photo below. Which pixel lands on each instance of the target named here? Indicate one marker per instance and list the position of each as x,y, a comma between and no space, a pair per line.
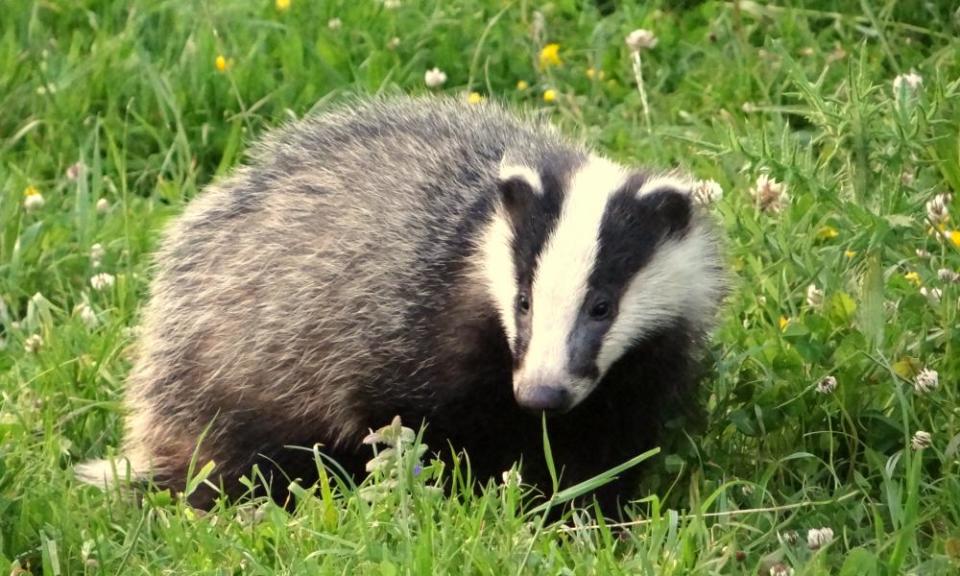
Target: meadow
832,128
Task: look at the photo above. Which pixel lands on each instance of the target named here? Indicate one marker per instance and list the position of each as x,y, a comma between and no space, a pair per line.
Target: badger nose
543,398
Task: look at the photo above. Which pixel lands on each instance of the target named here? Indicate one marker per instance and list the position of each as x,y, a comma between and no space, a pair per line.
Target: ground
830,126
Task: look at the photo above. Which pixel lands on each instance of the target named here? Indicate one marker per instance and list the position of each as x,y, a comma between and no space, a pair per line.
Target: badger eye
600,310
523,303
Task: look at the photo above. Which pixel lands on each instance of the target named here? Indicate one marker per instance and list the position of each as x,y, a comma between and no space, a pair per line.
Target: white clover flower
86,314
788,538
75,170
33,201
394,43
814,296
926,381
827,385
707,192
937,208
921,253
921,440
103,206
947,275
33,343
511,477
102,281
96,254
932,294
435,78
912,80
641,39
768,194
819,537
334,23
781,569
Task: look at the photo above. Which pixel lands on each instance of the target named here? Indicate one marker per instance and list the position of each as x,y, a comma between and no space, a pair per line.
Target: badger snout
544,398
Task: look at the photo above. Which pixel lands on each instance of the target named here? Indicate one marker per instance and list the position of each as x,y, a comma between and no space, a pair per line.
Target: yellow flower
31,190
827,232
913,278
549,95
522,85
593,74
955,238
550,55
283,5
221,63
784,321
849,253
474,98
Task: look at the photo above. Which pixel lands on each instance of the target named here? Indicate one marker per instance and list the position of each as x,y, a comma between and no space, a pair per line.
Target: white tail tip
105,474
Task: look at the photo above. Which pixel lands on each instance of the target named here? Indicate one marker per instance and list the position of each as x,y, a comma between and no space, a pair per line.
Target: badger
457,265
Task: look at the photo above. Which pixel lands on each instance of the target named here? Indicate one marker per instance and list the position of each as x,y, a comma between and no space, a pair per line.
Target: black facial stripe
630,231
533,218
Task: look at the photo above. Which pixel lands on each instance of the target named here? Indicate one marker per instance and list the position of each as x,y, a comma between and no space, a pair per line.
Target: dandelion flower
913,278
103,206
86,314
827,385
334,24
33,343
819,537
768,194
641,39
474,98
707,192
282,5
221,63
550,55
921,440
102,281
954,237
912,80
827,233
849,253
784,321
33,199
522,85
549,95
434,78
937,208
926,381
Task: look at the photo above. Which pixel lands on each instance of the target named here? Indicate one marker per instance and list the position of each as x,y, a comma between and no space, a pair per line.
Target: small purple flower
417,469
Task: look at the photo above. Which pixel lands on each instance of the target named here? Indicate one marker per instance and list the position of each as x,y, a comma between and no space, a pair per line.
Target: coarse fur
429,259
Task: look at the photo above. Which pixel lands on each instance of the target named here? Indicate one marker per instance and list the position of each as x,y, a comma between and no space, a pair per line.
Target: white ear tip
677,182
524,173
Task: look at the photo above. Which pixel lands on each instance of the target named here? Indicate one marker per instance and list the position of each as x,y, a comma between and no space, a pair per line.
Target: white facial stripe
680,281
499,273
565,264
673,181
508,171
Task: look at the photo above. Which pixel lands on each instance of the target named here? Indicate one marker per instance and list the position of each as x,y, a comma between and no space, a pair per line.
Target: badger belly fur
452,264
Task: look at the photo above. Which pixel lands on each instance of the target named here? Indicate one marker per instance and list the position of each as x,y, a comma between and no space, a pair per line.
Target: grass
131,93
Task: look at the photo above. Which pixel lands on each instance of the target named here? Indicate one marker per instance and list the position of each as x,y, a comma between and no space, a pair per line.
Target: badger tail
108,473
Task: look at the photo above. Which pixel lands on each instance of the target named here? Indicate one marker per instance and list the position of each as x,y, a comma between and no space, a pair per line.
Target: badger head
586,261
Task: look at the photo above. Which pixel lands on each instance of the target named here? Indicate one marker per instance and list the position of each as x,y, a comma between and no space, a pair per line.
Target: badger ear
517,185
670,201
